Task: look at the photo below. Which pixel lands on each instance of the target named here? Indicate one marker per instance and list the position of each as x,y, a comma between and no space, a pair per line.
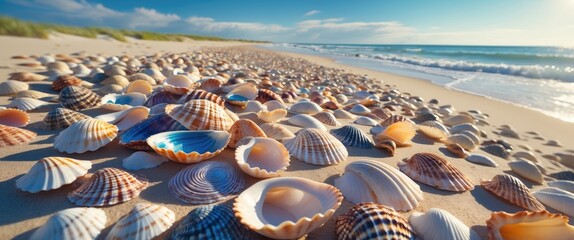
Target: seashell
72,223
315,146
382,113
78,98
343,114
254,106
65,80
27,104
272,116
85,135
327,118
143,77
27,77
376,130
527,170
200,115
507,132
563,175
528,225
388,146
427,117
241,94
286,207
306,121
366,121
497,150
458,119
562,184
525,155
276,131
108,186
462,140
359,109
435,171
513,190
116,79
14,117
59,118
144,221
126,118
155,74
161,97
372,181
179,84
244,128
475,139
553,143
262,157
33,94
353,137
51,173
457,150
400,132
465,127
481,159
330,105
136,136
372,221
212,85
396,118
139,86
305,108
212,222
272,105
119,102
265,95
142,160
440,225
557,199
10,136
107,89
189,146
11,87
206,182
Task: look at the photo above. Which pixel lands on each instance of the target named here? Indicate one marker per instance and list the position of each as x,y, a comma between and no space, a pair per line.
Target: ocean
540,78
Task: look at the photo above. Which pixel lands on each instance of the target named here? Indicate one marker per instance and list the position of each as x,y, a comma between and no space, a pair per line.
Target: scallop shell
206,182
457,150
372,221
497,150
59,118
481,159
78,98
315,146
142,160
340,113
434,130
286,207
200,115
353,137
396,118
139,86
465,127
327,118
262,157
359,109
306,121
10,136
366,121
272,116
144,221
462,140
527,170
528,225
276,131
372,181
108,186
382,113
11,87
52,173
126,118
136,136
562,184
27,104
265,95
65,80
189,146
513,190
438,224
118,102
161,97
458,119
304,107
557,199
241,94
72,224
200,94
85,135
212,85
36,95
27,77
243,128
14,117
435,171
179,84
400,132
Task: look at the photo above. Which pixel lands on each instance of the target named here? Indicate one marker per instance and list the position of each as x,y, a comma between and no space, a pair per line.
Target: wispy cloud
312,12
210,25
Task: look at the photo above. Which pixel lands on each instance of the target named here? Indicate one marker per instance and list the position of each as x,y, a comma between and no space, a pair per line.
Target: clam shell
206,182
372,221
372,181
200,94
142,160
475,139
306,121
340,113
526,155
388,146
144,221
141,77
126,118
462,140
139,86
14,117
276,131
315,146
136,136
457,150
189,146
434,130
72,224
327,118
396,118
458,119
65,80
241,94
178,84
366,121
155,74
513,190
481,159
562,184
527,170
359,109
497,150
212,85
465,127
265,95
85,135
273,104
272,116
59,118
27,77
557,199
262,157
108,186
200,115
286,207
243,128
10,136
304,107
435,171
78,98
52,173
118,102
353,137
438,224
400,132
11,87
254,106
161,97
529,225
27,104
116,79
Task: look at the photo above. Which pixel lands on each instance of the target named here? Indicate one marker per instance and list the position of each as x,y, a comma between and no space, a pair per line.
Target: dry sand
22,212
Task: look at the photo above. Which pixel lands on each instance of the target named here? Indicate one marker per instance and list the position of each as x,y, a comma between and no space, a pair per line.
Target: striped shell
212,85
52,173
327,118
272,116
10,136
529,225
14,117
434,130
65,80
372,181
372,221
526,169
85,135
276,131
206,182
200,94
142,160
315,146
189,146
396,118
382,113
438,224
400,132
262,157
59,118
306,121
78,98
11,87
136,136
200,115
108,186
435,171
353,137
161,97
462,140
144,221
118,102
557,199
126,118
265,95
72,224
243,128
27,104
305,107
513,190
481,159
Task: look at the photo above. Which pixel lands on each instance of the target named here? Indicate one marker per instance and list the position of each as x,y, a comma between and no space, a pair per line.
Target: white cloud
312,12
210,25
151,18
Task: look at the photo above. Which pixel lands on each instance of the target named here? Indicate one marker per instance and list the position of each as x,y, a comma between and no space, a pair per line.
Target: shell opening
288,204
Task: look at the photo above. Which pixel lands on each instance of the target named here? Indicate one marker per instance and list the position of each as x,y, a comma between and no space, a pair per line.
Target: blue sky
472,22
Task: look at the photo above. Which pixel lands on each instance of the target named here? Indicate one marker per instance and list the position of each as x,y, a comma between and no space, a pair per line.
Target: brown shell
265,95
457,150
372,221
10,136
394,119
65,80
211,85
327,118
78,98
244,128
389,146
330,105
26,77
59,118
513,190
200,114
201,94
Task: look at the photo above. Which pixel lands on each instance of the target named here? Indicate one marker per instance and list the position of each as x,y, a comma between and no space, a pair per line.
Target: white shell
341,113
272,116
316,147
52,173
562,184
465,127
142,160
27,104
10,87
556,198
254,106
526,169
144,221
464,141
85,135
274,104
129,100
126,118
276,131
306,121
482,160
526,155
438,224
359,109
305,107
262,157
72,224
366,121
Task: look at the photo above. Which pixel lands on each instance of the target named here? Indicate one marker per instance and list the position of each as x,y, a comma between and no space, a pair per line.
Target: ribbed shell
327,118
72,224
513,190
161,97
144,221
265,95
353,137
65,80
78,98
276,131
10,136
126,118
211,85
59,118
206,182
14,117
438,224
200,115
435,171
526,169
372,181
201,94
51,173
365,121
382,113
189,146
11,87
27,104
394,119
136,136
85,135
316,147
305,107
244,128
306,121
434,130
108,186
372,221
529,225
458,119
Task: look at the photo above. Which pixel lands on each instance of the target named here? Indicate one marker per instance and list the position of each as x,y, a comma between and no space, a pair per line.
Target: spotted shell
201,94
65,80
200,115
353,137
27,104
85,135
10,136
276,131
272,116
243,128
306,121
11,87
327,118
400,132
526,169
135,137
305,107
161,97
439,224
372,221
78,98
529,225
396,118
52,173
435,171
316,147
262,157
144,221
434,130
72,223
513,190
14,117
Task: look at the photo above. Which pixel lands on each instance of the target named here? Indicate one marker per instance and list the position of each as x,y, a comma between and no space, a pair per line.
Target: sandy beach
23,212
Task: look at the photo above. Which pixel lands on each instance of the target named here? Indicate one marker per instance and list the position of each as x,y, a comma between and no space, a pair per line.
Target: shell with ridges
306,121
353,137
435,171
161,97
200,115
14,117
276,131
327,118
243,128
189,146
305,107
11,87
212,85
65,80
126,118
557,199
27,104
118,102
201,94
78,98
142,160
52,173
35,95
513,190
85,135
372,221
144,221
59,118
272,116
438,224
10,136
136,136
434,130
396,118
316,147
262,157
481,159
265,95
526,169
71,224
465,127
400,132
528,225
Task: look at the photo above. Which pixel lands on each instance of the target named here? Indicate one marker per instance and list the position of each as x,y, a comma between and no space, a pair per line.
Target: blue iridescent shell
136,136
161,97
352,136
